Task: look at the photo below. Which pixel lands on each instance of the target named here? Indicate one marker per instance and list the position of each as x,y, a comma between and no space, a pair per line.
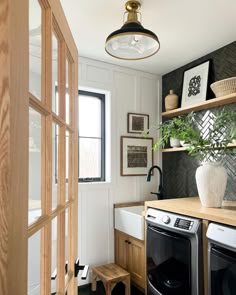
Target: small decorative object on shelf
224,87
174,142
195,84
171,101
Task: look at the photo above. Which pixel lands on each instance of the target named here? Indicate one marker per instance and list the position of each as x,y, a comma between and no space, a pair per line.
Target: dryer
221,259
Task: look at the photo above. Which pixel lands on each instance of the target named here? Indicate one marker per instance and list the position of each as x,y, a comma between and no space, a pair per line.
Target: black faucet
159,194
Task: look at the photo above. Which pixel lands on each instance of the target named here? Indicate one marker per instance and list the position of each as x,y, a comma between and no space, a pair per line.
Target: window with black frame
91,136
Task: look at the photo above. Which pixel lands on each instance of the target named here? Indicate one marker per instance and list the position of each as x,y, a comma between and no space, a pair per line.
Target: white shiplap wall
127,91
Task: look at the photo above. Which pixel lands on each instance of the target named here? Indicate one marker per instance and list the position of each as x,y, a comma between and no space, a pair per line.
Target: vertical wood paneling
4,145
61,253
73,81
47,229
13,145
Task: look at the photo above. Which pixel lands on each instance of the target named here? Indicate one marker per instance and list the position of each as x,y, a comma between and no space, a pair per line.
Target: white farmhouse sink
130,220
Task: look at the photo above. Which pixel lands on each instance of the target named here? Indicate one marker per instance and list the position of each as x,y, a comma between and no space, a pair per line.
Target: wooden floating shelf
182,149
171,150
208,104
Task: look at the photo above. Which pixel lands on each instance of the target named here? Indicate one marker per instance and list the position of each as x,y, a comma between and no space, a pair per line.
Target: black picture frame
136,155
137,123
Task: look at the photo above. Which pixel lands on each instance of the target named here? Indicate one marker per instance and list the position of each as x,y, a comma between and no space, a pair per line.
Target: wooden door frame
14,103
13,146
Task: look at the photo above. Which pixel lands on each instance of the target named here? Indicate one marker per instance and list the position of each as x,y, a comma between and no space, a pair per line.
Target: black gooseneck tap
159,194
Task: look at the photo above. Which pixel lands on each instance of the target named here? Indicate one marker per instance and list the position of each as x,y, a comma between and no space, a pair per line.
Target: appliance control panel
183,223
172,221
166,219
222,234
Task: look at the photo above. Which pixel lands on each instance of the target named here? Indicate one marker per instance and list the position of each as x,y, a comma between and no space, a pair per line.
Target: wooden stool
110,275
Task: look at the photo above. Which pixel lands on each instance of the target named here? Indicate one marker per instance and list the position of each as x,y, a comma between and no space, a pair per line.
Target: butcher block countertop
192,207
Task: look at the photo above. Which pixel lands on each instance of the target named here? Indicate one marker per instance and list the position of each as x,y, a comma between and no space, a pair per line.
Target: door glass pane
55,99
90,163
90,116
35,48
35,119
67,93
34,264
67,163
55,133
54,255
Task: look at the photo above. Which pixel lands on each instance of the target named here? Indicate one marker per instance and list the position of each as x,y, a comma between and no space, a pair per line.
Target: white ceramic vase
211,180
174,142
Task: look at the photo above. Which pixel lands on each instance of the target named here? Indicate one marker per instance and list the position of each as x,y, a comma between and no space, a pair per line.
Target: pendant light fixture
132,41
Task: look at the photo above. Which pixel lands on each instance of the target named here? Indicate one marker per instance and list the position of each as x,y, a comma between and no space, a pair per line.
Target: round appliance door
168,262
222,271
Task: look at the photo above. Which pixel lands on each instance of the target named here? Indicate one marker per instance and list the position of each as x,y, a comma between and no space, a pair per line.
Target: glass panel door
53,136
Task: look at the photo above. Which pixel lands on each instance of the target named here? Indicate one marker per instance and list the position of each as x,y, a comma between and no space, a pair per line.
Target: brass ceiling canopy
132,41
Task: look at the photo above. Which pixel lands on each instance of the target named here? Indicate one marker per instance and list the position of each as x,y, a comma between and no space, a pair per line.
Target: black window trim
102,98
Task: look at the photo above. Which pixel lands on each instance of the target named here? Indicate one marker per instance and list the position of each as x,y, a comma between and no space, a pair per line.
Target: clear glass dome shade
132,42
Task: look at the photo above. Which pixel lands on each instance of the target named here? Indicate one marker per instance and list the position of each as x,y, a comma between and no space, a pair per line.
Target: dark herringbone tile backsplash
179,168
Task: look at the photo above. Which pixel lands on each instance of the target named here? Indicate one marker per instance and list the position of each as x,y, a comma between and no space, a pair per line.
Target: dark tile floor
118,290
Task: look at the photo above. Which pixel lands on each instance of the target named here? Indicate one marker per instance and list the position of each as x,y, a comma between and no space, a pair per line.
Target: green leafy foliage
226,120
180,127
212,147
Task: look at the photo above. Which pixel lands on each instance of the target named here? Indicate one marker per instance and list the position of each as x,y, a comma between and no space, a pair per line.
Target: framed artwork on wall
137,123
136,155
195,83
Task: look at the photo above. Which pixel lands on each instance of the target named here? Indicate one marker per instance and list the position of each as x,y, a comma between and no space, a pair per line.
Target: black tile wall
179,168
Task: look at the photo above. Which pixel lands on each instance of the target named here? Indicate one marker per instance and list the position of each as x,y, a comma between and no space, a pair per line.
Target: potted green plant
211,176
177,130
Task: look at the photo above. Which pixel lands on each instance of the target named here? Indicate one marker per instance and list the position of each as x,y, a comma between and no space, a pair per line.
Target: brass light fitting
132,41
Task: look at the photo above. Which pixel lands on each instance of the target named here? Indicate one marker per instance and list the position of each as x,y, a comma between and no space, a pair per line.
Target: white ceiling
186,29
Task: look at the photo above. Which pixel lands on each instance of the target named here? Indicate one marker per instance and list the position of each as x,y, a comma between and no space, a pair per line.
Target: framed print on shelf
195,84
137,123
136,155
